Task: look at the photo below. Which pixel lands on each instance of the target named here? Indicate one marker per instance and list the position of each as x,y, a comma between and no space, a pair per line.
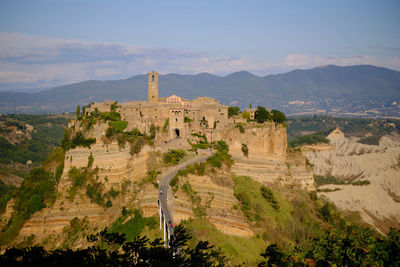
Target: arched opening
177,133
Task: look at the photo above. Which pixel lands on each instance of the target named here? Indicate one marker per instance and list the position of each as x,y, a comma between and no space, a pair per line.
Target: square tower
152,78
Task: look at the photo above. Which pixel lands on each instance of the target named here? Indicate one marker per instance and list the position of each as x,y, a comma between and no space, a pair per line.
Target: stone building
181,116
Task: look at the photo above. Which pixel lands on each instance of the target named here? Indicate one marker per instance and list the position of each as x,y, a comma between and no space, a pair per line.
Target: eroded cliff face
262,140
268,161
266,170
379,201
114,167
216,201
117,169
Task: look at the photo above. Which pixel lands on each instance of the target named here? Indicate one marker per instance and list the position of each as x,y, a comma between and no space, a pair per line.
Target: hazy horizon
45,44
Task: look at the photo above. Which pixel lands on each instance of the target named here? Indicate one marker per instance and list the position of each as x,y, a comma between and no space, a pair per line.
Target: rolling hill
362,90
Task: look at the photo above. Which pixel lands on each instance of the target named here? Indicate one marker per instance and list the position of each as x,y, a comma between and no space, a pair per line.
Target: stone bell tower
152,78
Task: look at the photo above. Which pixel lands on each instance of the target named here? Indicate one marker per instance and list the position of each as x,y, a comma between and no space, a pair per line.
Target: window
176,119
152,78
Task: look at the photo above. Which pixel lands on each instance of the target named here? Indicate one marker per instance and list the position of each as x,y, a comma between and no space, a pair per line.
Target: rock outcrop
217,199
115,167
379,201
262,140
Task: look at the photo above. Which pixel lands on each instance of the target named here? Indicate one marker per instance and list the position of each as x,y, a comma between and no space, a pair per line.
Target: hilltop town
233,179
178,119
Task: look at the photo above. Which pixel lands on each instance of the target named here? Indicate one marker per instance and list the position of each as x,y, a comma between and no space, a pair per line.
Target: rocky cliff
262,140
379,201
117,169
111,166
217,201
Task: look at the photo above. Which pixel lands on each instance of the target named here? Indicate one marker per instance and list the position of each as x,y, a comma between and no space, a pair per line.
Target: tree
78,112
245,150
246,115
222,146
261,115
233,111
274,257
278,116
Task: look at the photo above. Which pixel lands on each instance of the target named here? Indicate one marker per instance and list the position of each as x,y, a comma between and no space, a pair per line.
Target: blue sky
48,43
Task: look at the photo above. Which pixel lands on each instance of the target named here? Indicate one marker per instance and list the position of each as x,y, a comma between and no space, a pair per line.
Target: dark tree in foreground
140,252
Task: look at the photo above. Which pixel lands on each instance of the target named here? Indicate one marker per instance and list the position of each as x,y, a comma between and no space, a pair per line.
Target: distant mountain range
353,90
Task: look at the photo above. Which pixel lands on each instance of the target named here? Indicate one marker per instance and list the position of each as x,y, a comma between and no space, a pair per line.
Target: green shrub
165,127
80,140
278,116
325,212
240,126
66,142
152,177
90,161
262,114
119,126
221,146
173,156
37,189
187,119
361,182
95,192
327,190
269,196
110,132
174,181
134,226
121,140
112,193
114,106
323,180
310,139
153,131
245,150
370,140
134,133
108,204
246,115
203,138
6,193
137,145
313,195
233,111
219,158
59,171
110,116
79,178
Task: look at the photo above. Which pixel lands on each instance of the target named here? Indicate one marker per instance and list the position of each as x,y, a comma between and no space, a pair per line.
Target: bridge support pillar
165,230
159,209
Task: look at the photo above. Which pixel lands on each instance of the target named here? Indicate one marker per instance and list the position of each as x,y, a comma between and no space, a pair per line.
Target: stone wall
261,140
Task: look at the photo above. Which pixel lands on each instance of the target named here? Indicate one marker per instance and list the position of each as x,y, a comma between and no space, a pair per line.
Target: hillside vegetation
291,227
313,129
29,137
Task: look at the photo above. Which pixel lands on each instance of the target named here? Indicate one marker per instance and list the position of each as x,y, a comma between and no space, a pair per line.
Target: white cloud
28,61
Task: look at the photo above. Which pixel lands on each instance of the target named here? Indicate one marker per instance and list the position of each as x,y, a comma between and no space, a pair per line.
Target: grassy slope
237,249
292,222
